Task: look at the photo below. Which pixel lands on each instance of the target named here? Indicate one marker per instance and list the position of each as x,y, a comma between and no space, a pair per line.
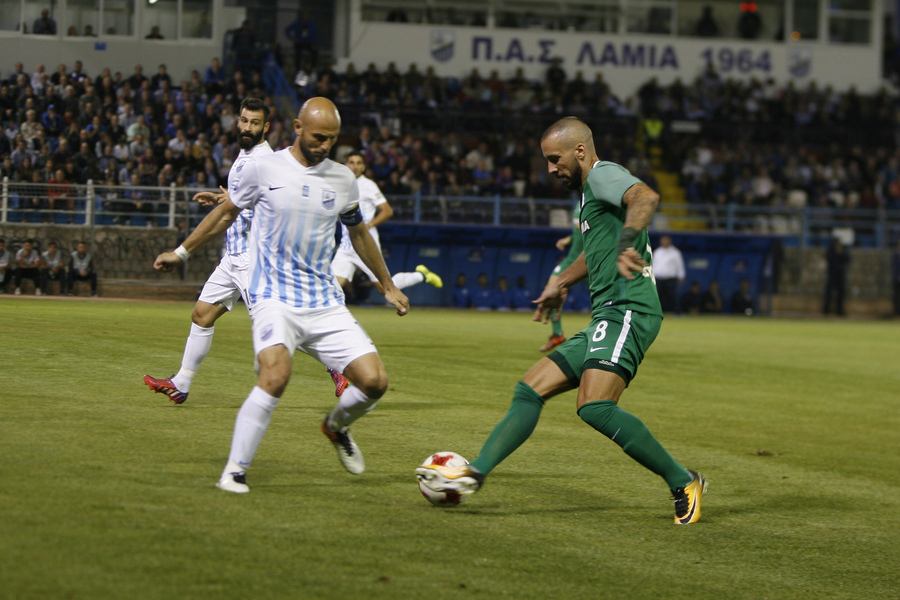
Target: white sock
405,280
352,405
195,350
249,427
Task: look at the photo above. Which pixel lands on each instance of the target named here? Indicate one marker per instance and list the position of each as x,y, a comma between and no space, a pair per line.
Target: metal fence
144,206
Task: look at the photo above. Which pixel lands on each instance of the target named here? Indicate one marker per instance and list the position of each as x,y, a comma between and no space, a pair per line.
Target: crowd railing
93,205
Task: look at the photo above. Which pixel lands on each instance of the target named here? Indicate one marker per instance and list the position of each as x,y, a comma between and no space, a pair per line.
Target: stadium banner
626,61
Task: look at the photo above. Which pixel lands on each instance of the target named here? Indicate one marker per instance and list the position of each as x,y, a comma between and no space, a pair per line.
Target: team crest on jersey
328,198
235,184
305,191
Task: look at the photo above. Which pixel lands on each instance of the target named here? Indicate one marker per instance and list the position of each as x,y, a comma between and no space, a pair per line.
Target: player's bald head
569,132
319,112
317,127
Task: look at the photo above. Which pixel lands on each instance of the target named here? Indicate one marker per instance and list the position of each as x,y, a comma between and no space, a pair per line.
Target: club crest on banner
800,61
443,42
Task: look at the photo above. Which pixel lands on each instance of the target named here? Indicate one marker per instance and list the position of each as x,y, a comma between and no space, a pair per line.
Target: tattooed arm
640,203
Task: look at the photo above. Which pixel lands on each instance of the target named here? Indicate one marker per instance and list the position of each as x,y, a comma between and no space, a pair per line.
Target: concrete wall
120,253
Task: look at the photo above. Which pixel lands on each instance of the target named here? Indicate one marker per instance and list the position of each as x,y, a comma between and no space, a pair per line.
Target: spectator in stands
44,25
502,296
556,75
89,31
749,23
483,297
161,77
691,300
137,79
78,76
214,78
154,34
5,269
742,300
462,294
28,266
81,268
711,302
522,296
707,26
895,278
837,260
668,267
60,193
53,268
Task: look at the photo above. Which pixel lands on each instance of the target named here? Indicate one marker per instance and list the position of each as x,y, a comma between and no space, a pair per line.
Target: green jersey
602,219
576,246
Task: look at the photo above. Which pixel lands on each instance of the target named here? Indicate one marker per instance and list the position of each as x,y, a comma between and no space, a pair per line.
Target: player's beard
247,140
311,157
574,182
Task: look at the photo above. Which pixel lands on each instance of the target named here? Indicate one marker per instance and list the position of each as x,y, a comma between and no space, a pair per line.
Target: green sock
512,431
632,435
557,325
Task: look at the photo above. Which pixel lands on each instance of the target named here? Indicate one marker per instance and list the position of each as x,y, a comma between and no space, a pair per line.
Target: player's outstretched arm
211,198
640,203
368,251
554,294
211,226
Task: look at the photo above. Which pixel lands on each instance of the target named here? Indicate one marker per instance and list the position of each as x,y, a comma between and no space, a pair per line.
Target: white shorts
228,282
346,262
330,335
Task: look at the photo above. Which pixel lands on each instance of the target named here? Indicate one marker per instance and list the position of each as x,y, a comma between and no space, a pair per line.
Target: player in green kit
573,241
601,360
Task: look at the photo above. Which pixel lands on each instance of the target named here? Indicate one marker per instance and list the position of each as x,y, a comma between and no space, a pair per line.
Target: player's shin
195,350
405,280
250,426
352,405
512,431
556,321
635,439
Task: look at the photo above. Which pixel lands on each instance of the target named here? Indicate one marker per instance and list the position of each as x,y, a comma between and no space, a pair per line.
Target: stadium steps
674,200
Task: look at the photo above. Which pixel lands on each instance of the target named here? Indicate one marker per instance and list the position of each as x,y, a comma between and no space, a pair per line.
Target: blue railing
146,206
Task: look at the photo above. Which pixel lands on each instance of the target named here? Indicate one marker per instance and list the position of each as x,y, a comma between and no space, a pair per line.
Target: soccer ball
447,459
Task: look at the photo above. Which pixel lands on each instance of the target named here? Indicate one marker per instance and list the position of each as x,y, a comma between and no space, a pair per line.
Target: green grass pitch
107,490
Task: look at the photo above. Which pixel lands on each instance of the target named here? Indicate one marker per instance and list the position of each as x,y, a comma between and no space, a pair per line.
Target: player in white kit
375,210
229,281
297,195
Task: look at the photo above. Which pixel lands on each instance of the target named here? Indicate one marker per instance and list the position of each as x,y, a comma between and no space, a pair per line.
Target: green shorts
615,341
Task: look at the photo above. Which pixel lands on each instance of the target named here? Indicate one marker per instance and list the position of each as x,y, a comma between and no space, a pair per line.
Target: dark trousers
668,293
75,276
48,275
897,298
32,273
835,290
304,51
5,278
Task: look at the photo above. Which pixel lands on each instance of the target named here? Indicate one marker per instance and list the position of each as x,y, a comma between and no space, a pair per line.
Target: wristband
626,239
181,253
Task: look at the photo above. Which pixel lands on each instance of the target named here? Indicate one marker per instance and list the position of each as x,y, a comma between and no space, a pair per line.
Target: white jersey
295,212
370,198
237,233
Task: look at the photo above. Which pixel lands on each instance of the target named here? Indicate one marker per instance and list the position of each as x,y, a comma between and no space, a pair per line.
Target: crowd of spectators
67,127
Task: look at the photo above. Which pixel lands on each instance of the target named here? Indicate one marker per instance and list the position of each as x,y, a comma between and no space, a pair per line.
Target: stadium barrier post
89,203
172,194
4,200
